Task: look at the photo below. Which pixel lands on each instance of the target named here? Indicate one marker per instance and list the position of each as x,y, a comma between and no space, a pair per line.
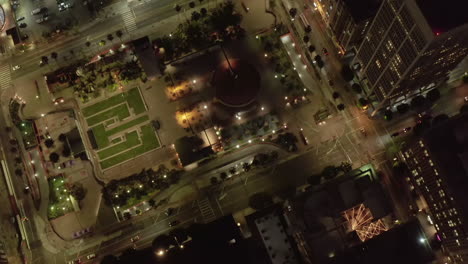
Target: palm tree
54,55
88,44
119,34
192,4
110,37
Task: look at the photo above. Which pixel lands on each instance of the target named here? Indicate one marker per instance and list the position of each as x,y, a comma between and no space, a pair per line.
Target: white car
91,256
16,67
42,19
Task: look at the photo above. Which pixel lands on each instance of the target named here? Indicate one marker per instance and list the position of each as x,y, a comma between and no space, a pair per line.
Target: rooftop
444,16
363,9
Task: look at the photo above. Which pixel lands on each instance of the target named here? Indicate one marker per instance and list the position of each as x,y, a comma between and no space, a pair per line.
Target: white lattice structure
360,219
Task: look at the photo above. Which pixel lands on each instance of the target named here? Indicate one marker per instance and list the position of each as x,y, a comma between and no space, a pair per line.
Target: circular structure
238,85
2,18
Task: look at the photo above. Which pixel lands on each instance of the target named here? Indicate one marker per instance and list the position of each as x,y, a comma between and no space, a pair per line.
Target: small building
191,150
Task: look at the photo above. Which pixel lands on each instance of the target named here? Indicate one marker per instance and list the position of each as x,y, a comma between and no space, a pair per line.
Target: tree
179,234
110,37
44,60
18,160
293,12
335,95
119,34
177,8
192,4
340,107
329,172
54,55
418,102
308,29
203,12
402,108
13,142
346,167
151,202
465,78
356,88
320,62
388,115
195,16
433,95
311,48
315,179
54,157
439,119
19,172
464,109
214,180
13,149
347,73
66,152
102,43
224,17
363,103
260,200
127,215
62,137
223,175
306,39
49,142
78,191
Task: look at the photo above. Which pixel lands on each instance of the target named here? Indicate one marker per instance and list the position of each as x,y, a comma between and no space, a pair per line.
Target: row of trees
118,192
329,172
203,29
418,104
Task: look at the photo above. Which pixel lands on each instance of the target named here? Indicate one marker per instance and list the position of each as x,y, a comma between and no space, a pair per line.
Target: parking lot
42,19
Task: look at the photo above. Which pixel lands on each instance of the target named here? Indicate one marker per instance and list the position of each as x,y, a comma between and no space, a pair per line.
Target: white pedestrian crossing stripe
206,210
5,76
129,20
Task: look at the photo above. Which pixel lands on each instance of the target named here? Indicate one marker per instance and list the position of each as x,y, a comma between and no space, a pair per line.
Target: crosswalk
206,210
129,20
5,76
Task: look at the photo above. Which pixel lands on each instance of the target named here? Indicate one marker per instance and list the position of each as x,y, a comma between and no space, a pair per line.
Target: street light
160,253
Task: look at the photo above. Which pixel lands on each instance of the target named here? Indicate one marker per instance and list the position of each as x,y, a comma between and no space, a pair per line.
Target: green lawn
127,125
58,194
131,140
103,105
149,141
135,101
100,135
121,111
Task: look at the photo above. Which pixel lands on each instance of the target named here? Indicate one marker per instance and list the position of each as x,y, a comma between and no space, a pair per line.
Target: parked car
174,223
20,19
91,256
42,19
37,11
16,67
22,25
135,239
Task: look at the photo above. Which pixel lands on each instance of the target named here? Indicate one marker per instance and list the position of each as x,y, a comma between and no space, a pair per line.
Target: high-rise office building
348,20
411,45
438,163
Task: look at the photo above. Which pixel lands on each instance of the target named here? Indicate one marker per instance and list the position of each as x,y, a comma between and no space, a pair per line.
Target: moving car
396,134
91,256
135,239
16,67
303,138
406,129
174,223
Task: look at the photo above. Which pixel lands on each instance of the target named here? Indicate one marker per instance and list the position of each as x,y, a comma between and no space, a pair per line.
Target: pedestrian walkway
206,210
5,76
129,20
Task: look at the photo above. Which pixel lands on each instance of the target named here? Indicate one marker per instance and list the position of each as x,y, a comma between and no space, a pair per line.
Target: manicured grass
131,140
120,111
103,105
149,141
116,140
100,135
127,125
135,101
27,132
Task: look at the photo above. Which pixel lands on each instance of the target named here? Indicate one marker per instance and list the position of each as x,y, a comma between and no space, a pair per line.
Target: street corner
187,193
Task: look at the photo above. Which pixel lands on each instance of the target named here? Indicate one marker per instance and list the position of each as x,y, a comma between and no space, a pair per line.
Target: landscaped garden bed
59,198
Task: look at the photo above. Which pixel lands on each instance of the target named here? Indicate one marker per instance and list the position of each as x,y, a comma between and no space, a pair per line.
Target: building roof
76,144
444,16
401,244
190,150
362,9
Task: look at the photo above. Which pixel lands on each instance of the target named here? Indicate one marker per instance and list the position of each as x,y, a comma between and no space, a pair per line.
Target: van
36,11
